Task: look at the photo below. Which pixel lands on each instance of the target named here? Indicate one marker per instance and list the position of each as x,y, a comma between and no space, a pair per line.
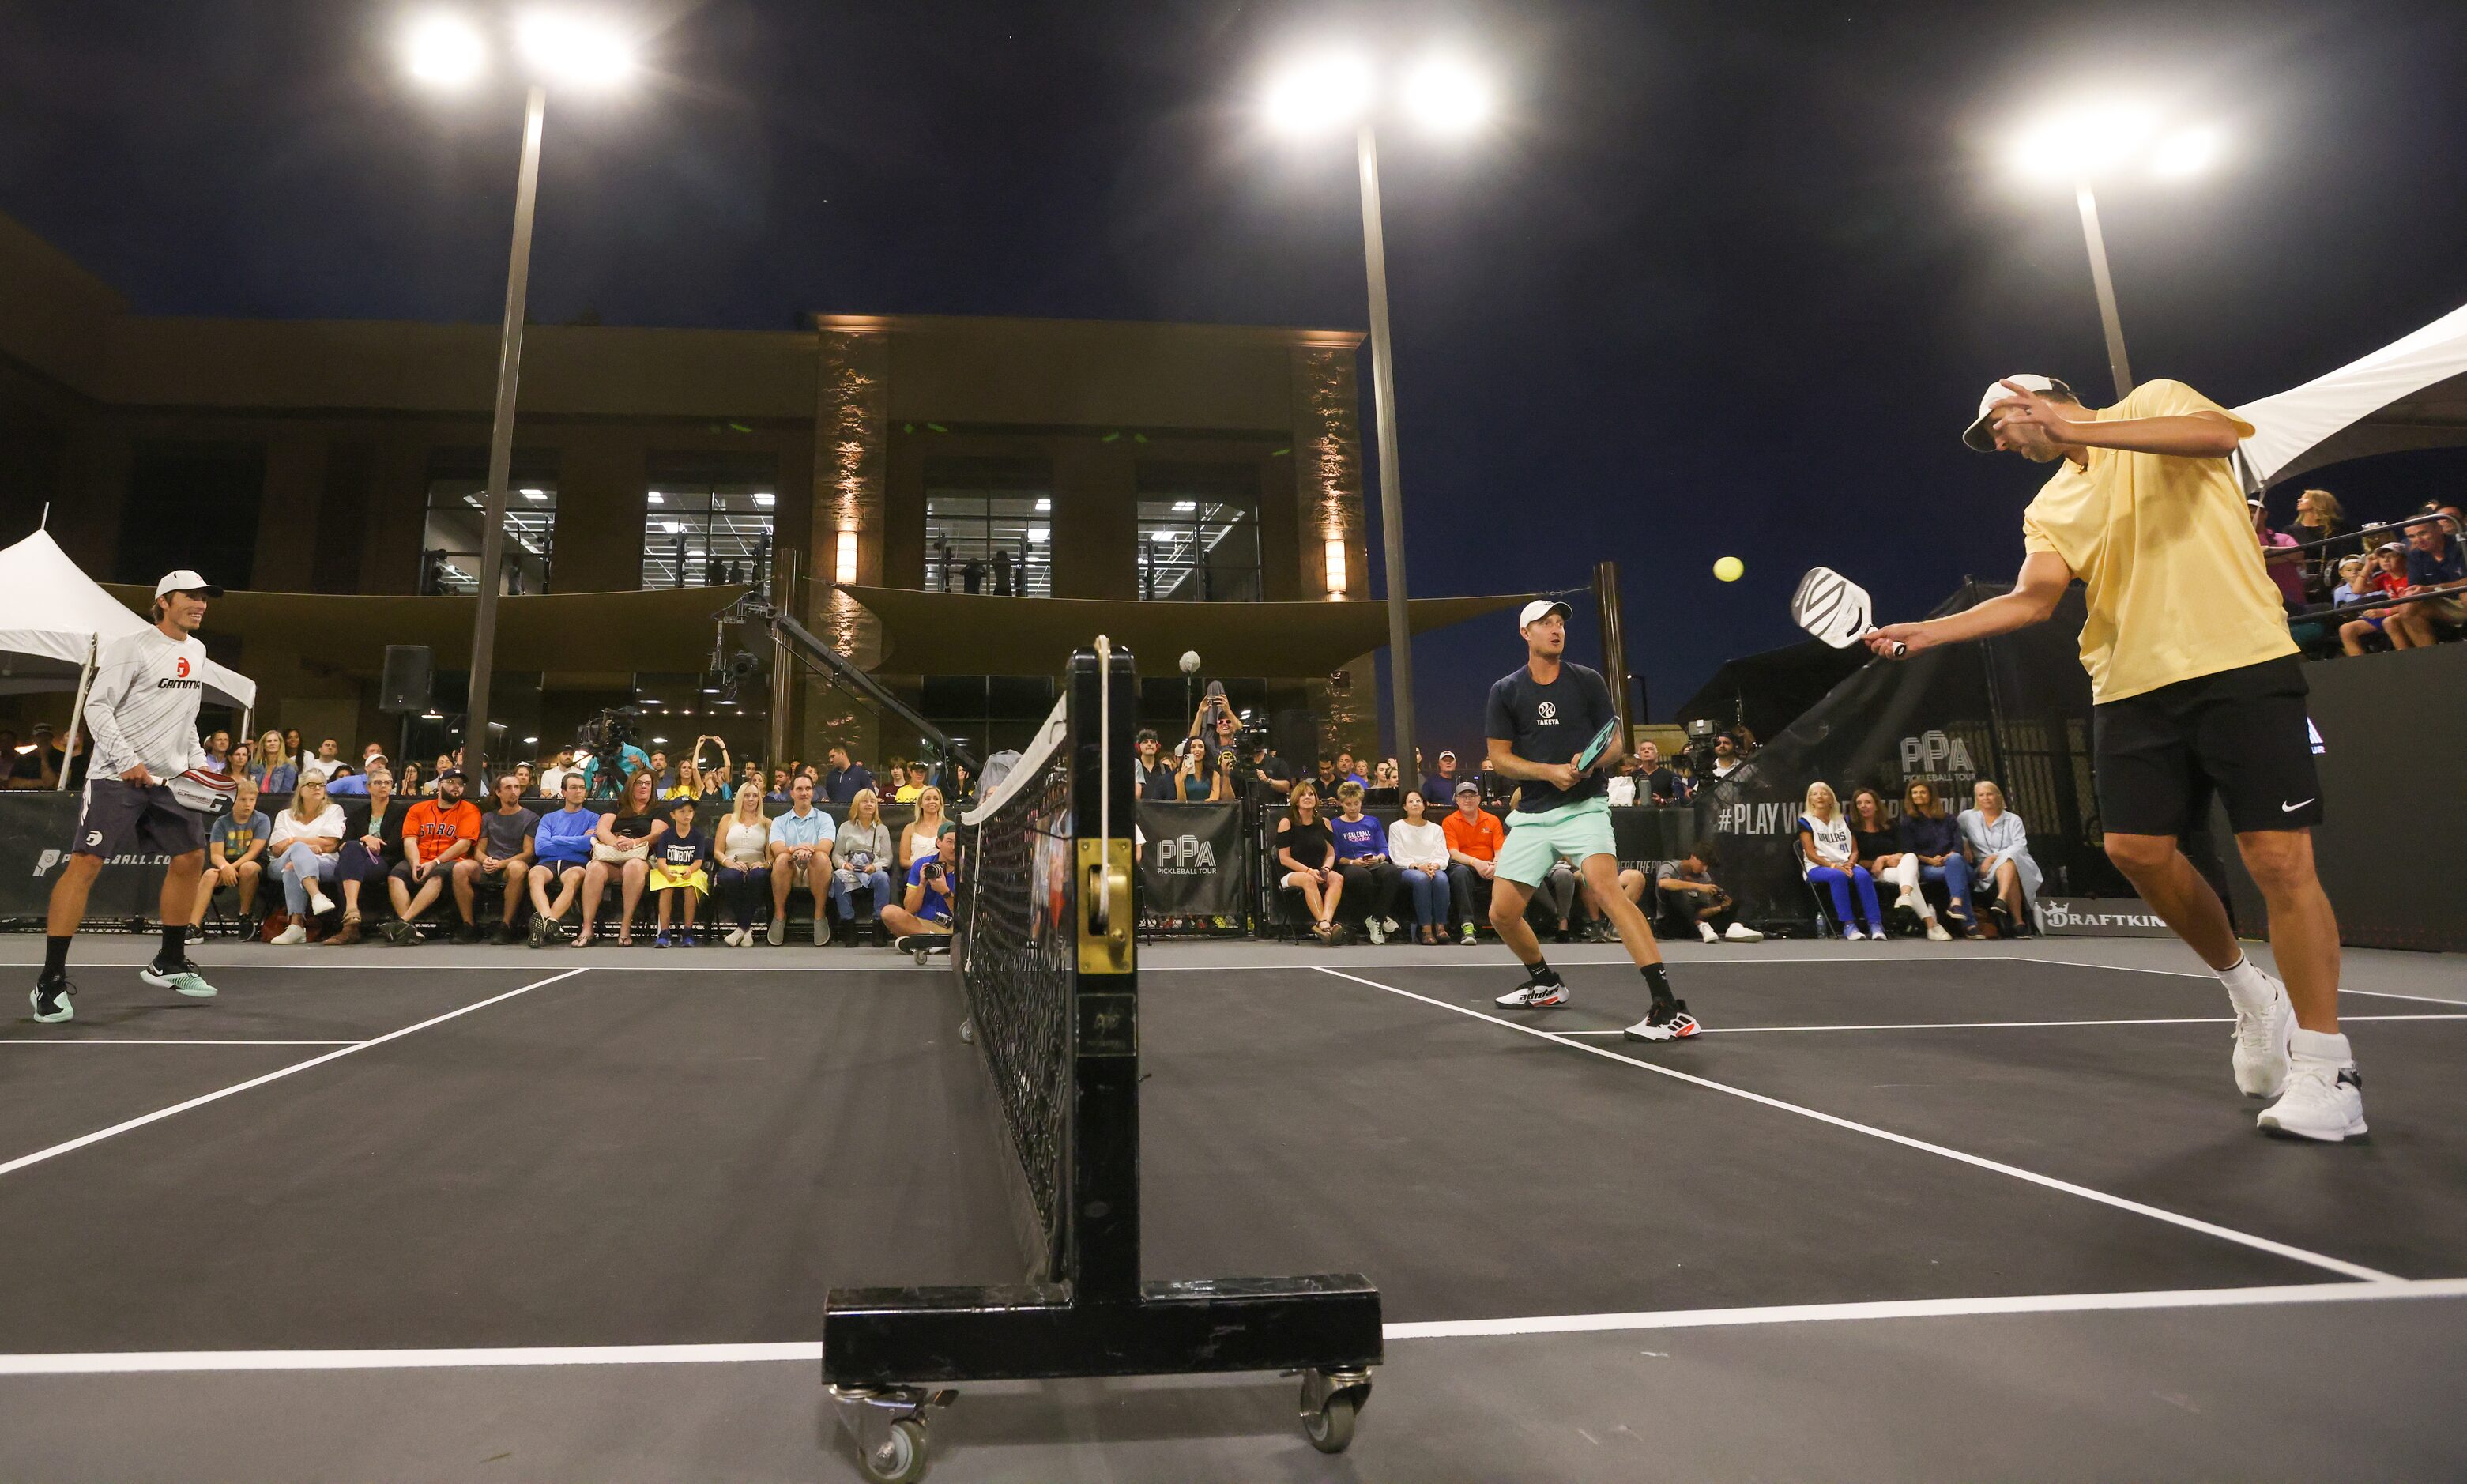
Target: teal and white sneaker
182,976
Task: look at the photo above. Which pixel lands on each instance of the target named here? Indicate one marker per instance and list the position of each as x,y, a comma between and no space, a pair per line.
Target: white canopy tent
52,619
2410,393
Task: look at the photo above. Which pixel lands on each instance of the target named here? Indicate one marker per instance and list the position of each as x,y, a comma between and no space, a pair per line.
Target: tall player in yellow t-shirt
2197,692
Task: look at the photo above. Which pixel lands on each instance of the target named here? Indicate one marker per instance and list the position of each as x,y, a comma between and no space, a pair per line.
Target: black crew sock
1541,972
1658,981
55,954
175,943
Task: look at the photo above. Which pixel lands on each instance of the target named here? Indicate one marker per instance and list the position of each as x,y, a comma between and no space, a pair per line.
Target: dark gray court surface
1906,1212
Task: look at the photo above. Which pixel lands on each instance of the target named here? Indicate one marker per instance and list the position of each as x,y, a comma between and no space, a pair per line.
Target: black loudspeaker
1294,736
405,687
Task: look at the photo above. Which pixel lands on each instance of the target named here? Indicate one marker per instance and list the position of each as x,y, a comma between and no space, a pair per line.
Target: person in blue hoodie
1370,878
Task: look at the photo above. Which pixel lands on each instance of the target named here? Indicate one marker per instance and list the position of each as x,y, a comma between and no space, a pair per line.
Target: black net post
1104,1216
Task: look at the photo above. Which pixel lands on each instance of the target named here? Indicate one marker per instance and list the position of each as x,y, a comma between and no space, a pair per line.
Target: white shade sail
52,615
2410,393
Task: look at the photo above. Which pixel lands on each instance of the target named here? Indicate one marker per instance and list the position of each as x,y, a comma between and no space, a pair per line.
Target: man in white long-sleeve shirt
142,711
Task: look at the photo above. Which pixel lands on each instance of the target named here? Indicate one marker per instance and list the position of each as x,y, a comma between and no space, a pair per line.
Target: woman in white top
1419,849
918,838
308,840
743,842
861,857
1830,856
1997,837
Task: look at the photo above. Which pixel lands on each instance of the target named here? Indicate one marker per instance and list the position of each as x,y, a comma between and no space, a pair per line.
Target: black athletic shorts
120,817
2242,734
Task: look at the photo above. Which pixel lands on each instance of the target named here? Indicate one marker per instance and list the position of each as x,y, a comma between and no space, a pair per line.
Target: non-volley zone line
2172,1019
276,1075
2337,1264
806,1352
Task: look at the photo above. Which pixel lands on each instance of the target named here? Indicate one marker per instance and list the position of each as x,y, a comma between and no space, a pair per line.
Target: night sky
1722,279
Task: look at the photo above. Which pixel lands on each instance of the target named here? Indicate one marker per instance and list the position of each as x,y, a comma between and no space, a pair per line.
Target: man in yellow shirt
2198,692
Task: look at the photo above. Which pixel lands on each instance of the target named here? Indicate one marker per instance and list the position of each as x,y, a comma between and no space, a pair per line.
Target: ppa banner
34,840
1190,859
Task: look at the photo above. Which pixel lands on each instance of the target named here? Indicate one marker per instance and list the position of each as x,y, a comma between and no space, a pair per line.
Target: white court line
808,1351
2186,974
2185,1019
160,1114
173,1041
2299,1254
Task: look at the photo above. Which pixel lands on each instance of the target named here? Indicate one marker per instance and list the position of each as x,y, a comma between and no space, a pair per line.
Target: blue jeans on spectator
1955,873
844,884
743,887
1840,885
302,864
1429,890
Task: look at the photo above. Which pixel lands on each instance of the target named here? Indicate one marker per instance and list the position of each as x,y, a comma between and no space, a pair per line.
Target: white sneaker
318,901
1906,902
294,934
1741,932
1853,935
2261,1035
1533,996
1937,933
1389,923
2324,1099
1707,929
1378,930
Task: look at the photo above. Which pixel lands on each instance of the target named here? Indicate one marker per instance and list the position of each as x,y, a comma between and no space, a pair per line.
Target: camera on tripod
612,729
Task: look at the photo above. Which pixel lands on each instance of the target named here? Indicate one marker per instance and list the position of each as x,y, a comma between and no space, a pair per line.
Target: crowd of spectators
2338,582
1979,855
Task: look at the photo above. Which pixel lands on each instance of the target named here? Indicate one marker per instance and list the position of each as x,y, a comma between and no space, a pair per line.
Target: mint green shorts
1534,840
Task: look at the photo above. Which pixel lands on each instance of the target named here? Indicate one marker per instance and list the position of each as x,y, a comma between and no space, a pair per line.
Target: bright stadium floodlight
1444,94
2185,153
574,49
1318,94
444,51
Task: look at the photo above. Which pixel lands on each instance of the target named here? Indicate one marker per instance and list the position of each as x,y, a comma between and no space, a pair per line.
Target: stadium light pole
2103,140
1317,95
443,51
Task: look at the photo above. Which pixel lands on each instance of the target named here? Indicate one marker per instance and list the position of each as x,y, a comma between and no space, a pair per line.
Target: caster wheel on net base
1331,1402
887,1427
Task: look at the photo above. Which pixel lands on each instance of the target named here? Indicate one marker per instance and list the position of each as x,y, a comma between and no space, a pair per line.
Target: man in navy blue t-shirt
2436,562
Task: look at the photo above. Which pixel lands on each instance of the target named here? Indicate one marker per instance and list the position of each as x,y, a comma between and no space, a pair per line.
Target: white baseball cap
186,581
1977,435
1541,608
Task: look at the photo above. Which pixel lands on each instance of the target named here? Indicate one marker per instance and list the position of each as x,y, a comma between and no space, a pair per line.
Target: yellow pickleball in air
1729,569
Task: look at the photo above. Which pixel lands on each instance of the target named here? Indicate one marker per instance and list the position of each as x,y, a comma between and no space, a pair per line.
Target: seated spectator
241,761
743,847
622,844
1151,776
846,779
292,748
663,777
1474,836
2351,576
679,871
1370,878
925,832
1881,852
933,886
1346,772
436,832
1419,848
2435,563
345,783
919,778
1925,835
39,766
2000,850
1656,784
551,778
1327,779
2280,557
409,783
1684,895
1387,774
372,844
504,850
1726,756
216,745
561,843
1306,853
688,783
801,853
2319,522
308,841
2388,578
1226,787
330,757
1556,899
523,777
862,855
714,775
1439,788
1830,855
753,774
234,852
1194,774
273,770
778,790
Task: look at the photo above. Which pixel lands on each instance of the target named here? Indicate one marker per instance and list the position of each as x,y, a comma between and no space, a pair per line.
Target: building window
458,503
709,523
1199,532
989,526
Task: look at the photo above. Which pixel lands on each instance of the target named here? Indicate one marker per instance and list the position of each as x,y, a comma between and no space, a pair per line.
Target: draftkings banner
1190,859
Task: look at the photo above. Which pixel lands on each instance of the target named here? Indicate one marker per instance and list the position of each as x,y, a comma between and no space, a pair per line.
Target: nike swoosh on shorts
2299,805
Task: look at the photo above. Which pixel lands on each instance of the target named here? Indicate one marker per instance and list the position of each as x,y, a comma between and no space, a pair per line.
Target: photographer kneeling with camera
1684,895
933,886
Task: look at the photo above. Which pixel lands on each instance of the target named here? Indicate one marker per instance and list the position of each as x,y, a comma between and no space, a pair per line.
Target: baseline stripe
160,1113
169,1041
2356,1271
806,1352
2187,1020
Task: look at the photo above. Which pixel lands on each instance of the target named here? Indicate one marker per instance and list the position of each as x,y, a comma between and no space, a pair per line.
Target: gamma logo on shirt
180,668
